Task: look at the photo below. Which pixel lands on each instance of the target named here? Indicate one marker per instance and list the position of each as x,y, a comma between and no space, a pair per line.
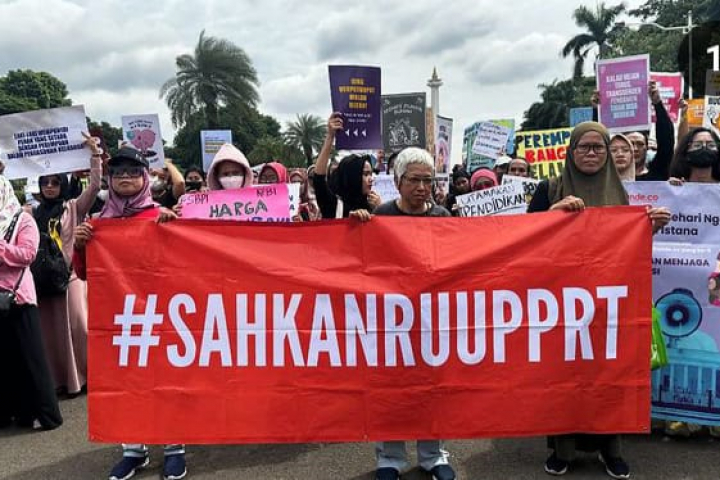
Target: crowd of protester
43,334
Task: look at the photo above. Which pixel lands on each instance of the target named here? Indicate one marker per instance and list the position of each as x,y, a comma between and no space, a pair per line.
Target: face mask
650,156
103,195
157,184
702,158
232,183
193,186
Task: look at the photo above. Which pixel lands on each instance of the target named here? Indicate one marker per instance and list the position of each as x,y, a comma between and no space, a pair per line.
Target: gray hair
410,156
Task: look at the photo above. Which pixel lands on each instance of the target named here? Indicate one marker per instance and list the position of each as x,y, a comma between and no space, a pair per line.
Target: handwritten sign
262,203
623,86
529,184
143,133
545,150
491,140
506,199
43,142
384,185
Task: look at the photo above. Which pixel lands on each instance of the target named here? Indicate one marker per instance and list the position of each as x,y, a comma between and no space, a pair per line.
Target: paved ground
66,454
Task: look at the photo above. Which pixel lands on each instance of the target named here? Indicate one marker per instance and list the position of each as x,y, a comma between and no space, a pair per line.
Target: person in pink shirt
28,394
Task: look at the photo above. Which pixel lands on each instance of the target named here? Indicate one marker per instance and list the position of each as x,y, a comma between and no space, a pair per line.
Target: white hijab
9,205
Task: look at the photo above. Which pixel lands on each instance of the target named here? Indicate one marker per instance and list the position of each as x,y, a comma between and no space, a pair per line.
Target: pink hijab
483,173
118,206
279,170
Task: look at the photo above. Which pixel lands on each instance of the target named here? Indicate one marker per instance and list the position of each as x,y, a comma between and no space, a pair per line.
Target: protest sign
260,203
443,144
580,114
491,140
545,150
505,199
529,185
474,161
712,83
143,133
711,114
623,86
686,292
43,142
385,319
442,183
403,120
695,112
210,143
355,93
384,185
670,86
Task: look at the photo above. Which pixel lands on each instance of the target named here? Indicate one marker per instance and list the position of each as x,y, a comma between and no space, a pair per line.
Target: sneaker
174,468
127,467
555,466
615,466
442,472
387,473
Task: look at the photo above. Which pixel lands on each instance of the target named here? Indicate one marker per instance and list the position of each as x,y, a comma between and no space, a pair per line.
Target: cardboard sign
260,203
545,150
508,199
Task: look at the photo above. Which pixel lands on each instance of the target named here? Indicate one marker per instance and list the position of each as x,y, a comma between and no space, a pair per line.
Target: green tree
306,133
274,149
111,135
25,90
557,98
219,73
600,29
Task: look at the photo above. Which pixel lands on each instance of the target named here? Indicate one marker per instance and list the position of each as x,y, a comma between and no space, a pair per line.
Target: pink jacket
18,255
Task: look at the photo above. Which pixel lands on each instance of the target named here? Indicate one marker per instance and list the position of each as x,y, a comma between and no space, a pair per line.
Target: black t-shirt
391,208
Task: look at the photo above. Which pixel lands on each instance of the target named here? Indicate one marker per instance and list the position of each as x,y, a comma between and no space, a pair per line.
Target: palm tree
306,133
600,25
218,73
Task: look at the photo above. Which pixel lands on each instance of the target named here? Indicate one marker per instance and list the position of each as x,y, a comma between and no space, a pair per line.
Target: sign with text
143,133
43,142
545,150
712,83
670,86
580,115
623,86
711,114
266,343
403,120
210,143
529,185
355,93
474,161
384,185
686,292
491,140
443,144
262,203
507,199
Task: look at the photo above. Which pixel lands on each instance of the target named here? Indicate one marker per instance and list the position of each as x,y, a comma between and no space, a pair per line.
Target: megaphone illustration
680,313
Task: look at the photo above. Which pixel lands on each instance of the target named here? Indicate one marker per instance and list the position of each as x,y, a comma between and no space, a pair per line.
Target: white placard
143,133
506,199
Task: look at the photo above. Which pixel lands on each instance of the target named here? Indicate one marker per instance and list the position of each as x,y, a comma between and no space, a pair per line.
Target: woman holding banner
589,179
130,197
63,316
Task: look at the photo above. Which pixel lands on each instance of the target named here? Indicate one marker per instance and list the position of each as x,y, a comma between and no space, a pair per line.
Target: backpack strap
8,237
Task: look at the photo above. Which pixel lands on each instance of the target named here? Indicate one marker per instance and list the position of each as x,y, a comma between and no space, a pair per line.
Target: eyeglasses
619,150
49,182
133,172
416,181
698,145
596,147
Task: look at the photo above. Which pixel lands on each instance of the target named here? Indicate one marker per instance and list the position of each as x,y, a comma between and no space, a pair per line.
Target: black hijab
346,182
52,208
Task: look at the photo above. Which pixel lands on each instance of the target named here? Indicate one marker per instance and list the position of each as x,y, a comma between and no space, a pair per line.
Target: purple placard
355,93
623,86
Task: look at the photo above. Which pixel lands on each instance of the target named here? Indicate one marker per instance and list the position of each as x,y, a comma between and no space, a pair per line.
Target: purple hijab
118,206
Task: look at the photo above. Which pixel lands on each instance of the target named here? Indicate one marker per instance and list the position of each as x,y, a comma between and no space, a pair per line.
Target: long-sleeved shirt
16,257
659,168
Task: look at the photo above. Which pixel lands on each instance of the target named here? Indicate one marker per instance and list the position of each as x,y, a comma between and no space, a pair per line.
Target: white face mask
232,183
103,195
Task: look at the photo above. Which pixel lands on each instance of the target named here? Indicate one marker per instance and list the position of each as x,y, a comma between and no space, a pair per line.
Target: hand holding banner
262,203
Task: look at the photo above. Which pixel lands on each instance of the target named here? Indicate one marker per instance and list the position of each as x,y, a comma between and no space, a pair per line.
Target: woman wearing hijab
309,210
622,152
589,179
273,172
130,197
483,179
63,316
349,187
28,395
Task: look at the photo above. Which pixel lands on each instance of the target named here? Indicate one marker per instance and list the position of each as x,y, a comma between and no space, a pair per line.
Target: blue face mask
650,156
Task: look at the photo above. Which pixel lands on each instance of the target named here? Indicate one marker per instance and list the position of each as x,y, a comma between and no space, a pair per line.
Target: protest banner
474,161
210,143
266,343
712,83
686,292
259,203
671,87
545,150
491,140
695,112
403,120
623,86
508,199
43,142
384,185
355,93
580,114
529,185
443,144
711,114
143,133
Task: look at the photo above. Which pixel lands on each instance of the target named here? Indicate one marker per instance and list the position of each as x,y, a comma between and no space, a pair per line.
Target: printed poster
671,87
443,144
403,120
623,86
711,115
355,93
143,133
210,143
580,115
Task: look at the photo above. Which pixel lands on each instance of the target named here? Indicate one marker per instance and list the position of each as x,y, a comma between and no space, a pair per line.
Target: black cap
129,153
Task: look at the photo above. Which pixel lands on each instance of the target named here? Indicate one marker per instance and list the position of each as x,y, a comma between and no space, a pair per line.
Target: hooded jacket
229,153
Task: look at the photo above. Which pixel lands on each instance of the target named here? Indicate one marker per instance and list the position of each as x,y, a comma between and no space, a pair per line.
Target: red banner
401,328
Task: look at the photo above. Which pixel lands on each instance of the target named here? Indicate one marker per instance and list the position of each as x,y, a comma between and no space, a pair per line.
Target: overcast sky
114,55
